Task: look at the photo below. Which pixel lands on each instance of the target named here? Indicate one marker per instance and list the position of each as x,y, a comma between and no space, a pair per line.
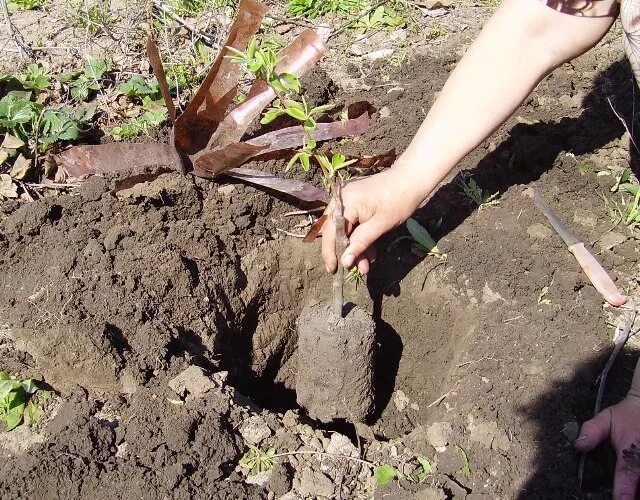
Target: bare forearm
521,44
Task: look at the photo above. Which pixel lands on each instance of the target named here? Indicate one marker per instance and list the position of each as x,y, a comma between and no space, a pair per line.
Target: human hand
372,206
621,423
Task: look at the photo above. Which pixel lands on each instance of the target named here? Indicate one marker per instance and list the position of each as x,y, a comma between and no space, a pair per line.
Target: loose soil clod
335,363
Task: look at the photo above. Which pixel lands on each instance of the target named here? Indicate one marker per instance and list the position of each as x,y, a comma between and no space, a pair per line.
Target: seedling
36,78
385,474
627,212
381,18
17,403
315,8
466,466
26,4
622,178
422,241
93,15
257,460
83,84
261,63
543,298
436,32
425,469
355,276
473,192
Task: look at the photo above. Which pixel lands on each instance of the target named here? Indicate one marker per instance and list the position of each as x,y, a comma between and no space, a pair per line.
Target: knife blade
599,278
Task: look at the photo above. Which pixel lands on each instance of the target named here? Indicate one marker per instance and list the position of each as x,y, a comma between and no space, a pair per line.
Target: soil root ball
335,367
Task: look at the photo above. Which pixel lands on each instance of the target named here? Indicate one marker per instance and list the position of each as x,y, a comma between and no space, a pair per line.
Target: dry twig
23,49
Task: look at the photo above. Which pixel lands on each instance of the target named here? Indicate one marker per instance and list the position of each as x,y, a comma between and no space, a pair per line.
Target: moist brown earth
107,296
335,363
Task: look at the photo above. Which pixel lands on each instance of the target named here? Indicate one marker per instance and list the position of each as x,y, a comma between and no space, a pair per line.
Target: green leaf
270,115
304,160
384,474
422,236
296,113
321,109
309,124
7,386
466,467
95,68
4,376
425,468
621,178
32,413
29,386
291,81
291,104
13,418
630,188
292,162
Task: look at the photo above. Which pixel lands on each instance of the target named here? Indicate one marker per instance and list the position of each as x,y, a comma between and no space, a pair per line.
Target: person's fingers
625,481
361,238
371,254
329,246
363,264
594,431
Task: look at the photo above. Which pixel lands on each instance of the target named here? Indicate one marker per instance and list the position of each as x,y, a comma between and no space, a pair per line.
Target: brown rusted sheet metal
291,187
83,160
234,155
195,125
297,58
161,77
315,230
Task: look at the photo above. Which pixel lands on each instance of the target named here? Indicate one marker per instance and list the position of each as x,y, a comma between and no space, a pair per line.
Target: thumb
362,237
594,431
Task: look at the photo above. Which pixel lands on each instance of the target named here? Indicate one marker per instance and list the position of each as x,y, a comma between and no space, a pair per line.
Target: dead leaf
11,142
20,168
7,188
4,156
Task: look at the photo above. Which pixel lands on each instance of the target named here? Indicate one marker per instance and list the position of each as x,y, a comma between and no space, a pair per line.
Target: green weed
82,84
92,15
140,125
384,17
355,276
36,78
385,474
257,460
19,401
473,192
315,8
436,32
466,465
26,4
426,469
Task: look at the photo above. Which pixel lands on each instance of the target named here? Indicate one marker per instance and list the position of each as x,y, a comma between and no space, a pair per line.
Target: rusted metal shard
368,165
220,160
161,77
298,189
83,160
194,126
315,230
211,164
297,58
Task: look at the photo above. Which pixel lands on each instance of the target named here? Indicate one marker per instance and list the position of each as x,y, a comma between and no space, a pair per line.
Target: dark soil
108,296
326,386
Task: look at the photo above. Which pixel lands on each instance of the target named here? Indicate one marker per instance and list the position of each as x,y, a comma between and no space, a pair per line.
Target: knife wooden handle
597,275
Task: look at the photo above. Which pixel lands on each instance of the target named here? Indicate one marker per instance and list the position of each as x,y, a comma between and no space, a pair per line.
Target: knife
589,264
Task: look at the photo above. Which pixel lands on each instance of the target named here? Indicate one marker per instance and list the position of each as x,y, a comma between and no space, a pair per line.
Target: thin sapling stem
341,244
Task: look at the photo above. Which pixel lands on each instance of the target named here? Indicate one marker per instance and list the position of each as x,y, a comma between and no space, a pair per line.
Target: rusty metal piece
83,160
222,159
297,58
194,126
316,228
161,77
292,187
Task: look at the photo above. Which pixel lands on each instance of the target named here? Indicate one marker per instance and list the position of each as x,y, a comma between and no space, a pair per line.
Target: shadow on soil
529,151
555,473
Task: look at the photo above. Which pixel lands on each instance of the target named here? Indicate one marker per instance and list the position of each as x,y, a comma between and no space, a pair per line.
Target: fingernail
326,266
347,260
581,438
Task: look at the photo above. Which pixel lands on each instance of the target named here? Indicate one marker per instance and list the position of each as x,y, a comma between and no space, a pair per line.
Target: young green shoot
470,190
18,402
261,63
256,460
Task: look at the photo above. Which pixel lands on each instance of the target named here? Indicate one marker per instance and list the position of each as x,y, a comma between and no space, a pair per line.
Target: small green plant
26,4
384,17
257,460
140,125
422,242
355,276
426,469
36,78
147,93
83,83
18,401
385,474
92,15
543,298
622,178
470,190
436,32
315,8
466,466
27,120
